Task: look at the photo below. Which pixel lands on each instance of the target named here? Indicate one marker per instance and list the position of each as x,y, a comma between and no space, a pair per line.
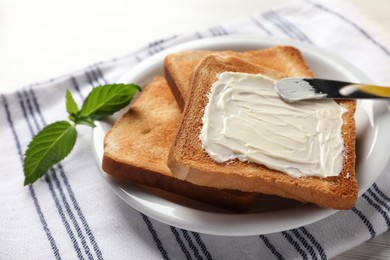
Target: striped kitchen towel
71,213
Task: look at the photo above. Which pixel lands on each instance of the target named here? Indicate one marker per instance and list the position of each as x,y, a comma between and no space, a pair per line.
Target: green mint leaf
71,105
108,99
52,144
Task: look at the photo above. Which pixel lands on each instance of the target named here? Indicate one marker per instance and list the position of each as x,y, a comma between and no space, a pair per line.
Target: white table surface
43,39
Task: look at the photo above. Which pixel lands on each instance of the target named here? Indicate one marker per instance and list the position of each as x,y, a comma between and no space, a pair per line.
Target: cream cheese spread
245,119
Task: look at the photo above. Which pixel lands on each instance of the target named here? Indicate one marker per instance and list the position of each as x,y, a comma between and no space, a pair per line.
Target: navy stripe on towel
100,74
314,242
96,77
271,247
77,87
378,208
155,237
191,244
377,199
295,245
44,224
304,243
202,245
381,193
155,47
71,215
218,31
260,25
268,17
63,217
23,107
365,221
286,26
180,242
89,78
30,111
38,209
80,214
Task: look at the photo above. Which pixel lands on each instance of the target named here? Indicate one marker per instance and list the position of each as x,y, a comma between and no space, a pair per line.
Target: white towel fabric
72,213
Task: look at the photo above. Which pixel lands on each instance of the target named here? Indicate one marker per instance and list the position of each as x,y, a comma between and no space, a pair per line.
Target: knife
296,89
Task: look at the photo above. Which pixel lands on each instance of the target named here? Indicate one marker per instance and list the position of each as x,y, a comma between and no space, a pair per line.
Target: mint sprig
54,142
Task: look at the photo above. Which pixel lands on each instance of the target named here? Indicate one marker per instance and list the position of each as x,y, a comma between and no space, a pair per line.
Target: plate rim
235,230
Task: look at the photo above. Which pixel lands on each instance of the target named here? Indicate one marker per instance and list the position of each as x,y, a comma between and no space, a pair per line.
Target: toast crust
188,161
178,67
136,150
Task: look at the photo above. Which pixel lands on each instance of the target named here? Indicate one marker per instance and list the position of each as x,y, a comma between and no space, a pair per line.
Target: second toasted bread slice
137,146
179,66
190,162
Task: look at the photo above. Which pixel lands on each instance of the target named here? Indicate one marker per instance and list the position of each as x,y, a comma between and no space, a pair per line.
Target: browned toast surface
190,162
179,66
137,146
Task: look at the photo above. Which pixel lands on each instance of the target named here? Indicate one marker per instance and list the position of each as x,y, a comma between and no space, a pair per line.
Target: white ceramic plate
373,140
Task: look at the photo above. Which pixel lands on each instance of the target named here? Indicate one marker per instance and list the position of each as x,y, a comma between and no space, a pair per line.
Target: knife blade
296,89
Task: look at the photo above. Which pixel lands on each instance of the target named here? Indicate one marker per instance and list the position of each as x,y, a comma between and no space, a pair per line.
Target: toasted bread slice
137,146
179,66
188,160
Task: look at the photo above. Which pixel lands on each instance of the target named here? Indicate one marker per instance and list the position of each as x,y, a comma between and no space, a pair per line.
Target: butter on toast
179,66
137,146
188,161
